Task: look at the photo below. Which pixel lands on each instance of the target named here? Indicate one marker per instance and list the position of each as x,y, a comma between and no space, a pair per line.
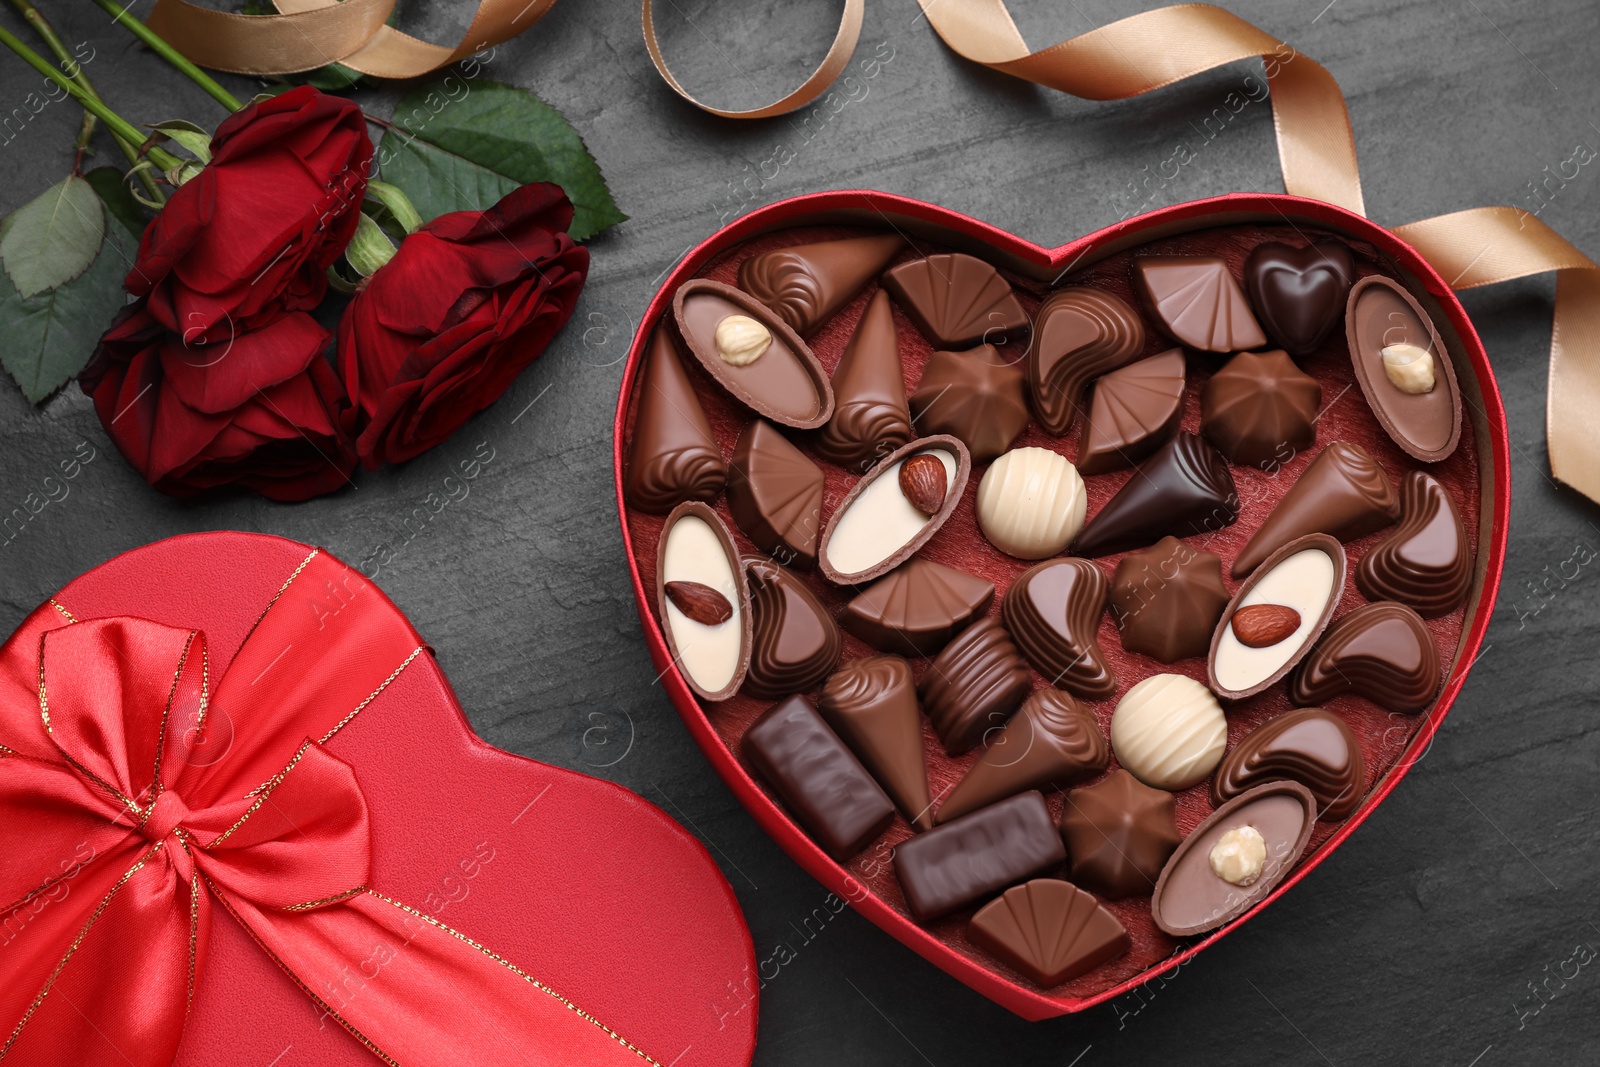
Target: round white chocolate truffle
1169,731
1031,503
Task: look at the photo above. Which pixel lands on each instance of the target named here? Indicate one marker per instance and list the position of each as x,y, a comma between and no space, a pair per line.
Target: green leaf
332,78
463,153
112,185
54,237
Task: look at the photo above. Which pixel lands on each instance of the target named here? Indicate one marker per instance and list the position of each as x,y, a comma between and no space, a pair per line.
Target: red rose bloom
443,328
262,410
251,236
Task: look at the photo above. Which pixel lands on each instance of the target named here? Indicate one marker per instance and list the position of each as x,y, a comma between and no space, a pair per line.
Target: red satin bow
134,794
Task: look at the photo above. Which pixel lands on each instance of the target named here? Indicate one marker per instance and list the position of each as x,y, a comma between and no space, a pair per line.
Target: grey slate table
1421,941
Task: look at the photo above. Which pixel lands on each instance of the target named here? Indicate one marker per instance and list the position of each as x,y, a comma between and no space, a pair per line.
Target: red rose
262,410
251,236
443,328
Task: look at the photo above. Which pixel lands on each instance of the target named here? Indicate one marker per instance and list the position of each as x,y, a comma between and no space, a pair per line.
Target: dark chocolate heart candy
1299,293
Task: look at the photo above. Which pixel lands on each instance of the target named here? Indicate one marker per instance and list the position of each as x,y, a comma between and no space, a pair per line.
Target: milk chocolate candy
807,284
1050,930
1134,411
711,648
1343,493
775,495
1299,293
794,642
879,525
672,457
870,416
1185,488
1403,368
1078,335
1198,302
1426,564
974,685
817,777
1260,409
1052,612
975,396
1311,746
917,608
1051,740
1276,616
1119,833
1167,599
1382,652
977,855
956,300
872,703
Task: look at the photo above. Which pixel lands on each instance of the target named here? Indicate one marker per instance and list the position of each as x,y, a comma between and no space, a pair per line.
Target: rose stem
120,14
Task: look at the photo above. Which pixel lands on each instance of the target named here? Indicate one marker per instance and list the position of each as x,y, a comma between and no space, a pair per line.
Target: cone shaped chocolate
1344,493
673,456
872,704
806,284
1051,740
1184,488
870,415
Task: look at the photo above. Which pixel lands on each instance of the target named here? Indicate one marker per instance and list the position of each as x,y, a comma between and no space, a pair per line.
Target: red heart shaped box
879,901
589,888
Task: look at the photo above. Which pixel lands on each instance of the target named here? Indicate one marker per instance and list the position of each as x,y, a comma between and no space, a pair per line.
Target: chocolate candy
1403,368
1168,731
1049,930
696,547
957,301
794,642
1343,493
1134,410
1185,488
974,685
1198,302
817,777
1308,745
806,284
1260,409
872,703
1119,833
1426,563
1192,897
1167,600
870,417
917,608
1299,293
1052,612
1078,335
1050,740
976,396
1031,502
753,354
964,861
775,495
1382,652
672,457
878,526
1276,616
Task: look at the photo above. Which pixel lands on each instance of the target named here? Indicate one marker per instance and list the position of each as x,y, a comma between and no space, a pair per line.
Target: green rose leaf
461,151
112,185
52,238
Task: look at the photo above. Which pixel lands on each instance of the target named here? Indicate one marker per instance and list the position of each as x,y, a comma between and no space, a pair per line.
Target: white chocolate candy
709,655
1031,503
881,521
1303,581
1239,856
1409,368
1169,731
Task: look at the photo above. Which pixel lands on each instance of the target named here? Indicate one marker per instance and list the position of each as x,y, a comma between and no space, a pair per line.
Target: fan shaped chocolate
878,526
696,547
1311,746
1343,493
1276,616
794,642
1167,599
974,685
1299,293
1119,833
1048,929
672,456
917,608
1198,302
1134,410
870,416
1052,612
872,704
1260,409
807,284
1078,335
775,494
1184,488
975,396
1051,740
956,300
1381,315
1426,564
1382,652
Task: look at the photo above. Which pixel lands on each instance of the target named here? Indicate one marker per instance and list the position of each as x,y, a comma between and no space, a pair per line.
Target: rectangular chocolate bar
966,860
821,780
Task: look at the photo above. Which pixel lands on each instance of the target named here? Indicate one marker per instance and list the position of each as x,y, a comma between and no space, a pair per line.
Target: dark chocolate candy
1198,302
1119,832
672,457
870,416
1381,313
1382,652
976,396
1051,740
817,777
872,703
1299,293
696,547
917,608
1185,488
974,685
1049,930
1426,564
1276,616
877,527
1311,746
961,862
1260,409
1078,335
1052,612
794,642
806,284
1167,599
775,495
1343,493
956,300
1134,411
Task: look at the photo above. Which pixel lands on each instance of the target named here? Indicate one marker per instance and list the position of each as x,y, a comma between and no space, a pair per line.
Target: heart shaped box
916,219
588,887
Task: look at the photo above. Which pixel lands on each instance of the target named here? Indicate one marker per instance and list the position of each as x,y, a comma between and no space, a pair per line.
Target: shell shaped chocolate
1260,408
1050,740
1198,302
806,284
1167,599
794,642
876,527
1134,410
1184,488
976,396
1050,930
1078,335
974,685
870,416
775,494
917,608
1382,652
696,546
1311,746
1052,612
1426,564
956,300
672,456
